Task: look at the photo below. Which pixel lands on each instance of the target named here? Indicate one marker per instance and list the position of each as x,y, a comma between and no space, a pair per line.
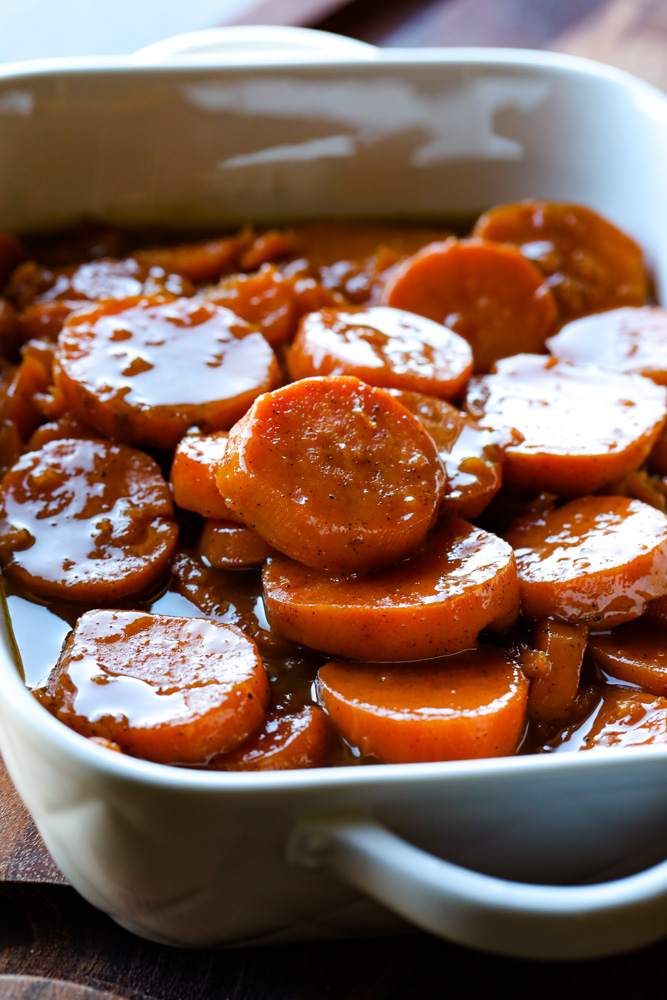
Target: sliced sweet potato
436,602
334,473
86,520
629,340
231,546
555,683
285,741
472,455
589,263
469,705
386,347
489,294
144,370
596,561
193,475
204,694
582,427
635,653
625,719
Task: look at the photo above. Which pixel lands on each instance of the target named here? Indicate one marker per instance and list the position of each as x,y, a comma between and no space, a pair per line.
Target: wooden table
46,930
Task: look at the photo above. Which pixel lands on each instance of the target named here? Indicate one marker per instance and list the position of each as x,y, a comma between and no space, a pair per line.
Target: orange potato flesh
472,455
231,546
635,653
73,285
596,561
469,705
436,602
627,719
628,340
487,293
116,365
171,690
386,347
334,473
589,263
285,742
204,261
86,520
555,685
271,301
193,475
582,427
48,296
66,426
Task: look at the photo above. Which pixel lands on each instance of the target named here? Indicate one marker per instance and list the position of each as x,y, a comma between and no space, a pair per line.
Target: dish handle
481,911
236,42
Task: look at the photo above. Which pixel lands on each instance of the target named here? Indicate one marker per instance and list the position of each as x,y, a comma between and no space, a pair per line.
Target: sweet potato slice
231,546
595,561
334,473
489,294
633,341
144,371
86,520
436,602
589,263
472,455
582,427
203,261
469,705
625,719
193,475
204,694
271,300
285,741
635,653
555,683
386,347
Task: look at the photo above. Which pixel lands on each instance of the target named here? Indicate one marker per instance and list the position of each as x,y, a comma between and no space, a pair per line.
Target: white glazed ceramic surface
198,858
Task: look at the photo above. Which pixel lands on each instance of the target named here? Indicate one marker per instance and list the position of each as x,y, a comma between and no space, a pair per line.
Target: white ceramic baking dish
546,856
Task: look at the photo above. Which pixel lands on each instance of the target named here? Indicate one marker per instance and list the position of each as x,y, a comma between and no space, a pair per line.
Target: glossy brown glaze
472,455
386,347
231,546
172,690
635,653
145,371
436,602
285,741
571,446
87,521
596,561
589,264
633,341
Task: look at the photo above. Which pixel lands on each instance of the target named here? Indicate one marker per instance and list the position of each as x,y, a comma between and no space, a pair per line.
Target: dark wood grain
23,856
48,931
36,988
